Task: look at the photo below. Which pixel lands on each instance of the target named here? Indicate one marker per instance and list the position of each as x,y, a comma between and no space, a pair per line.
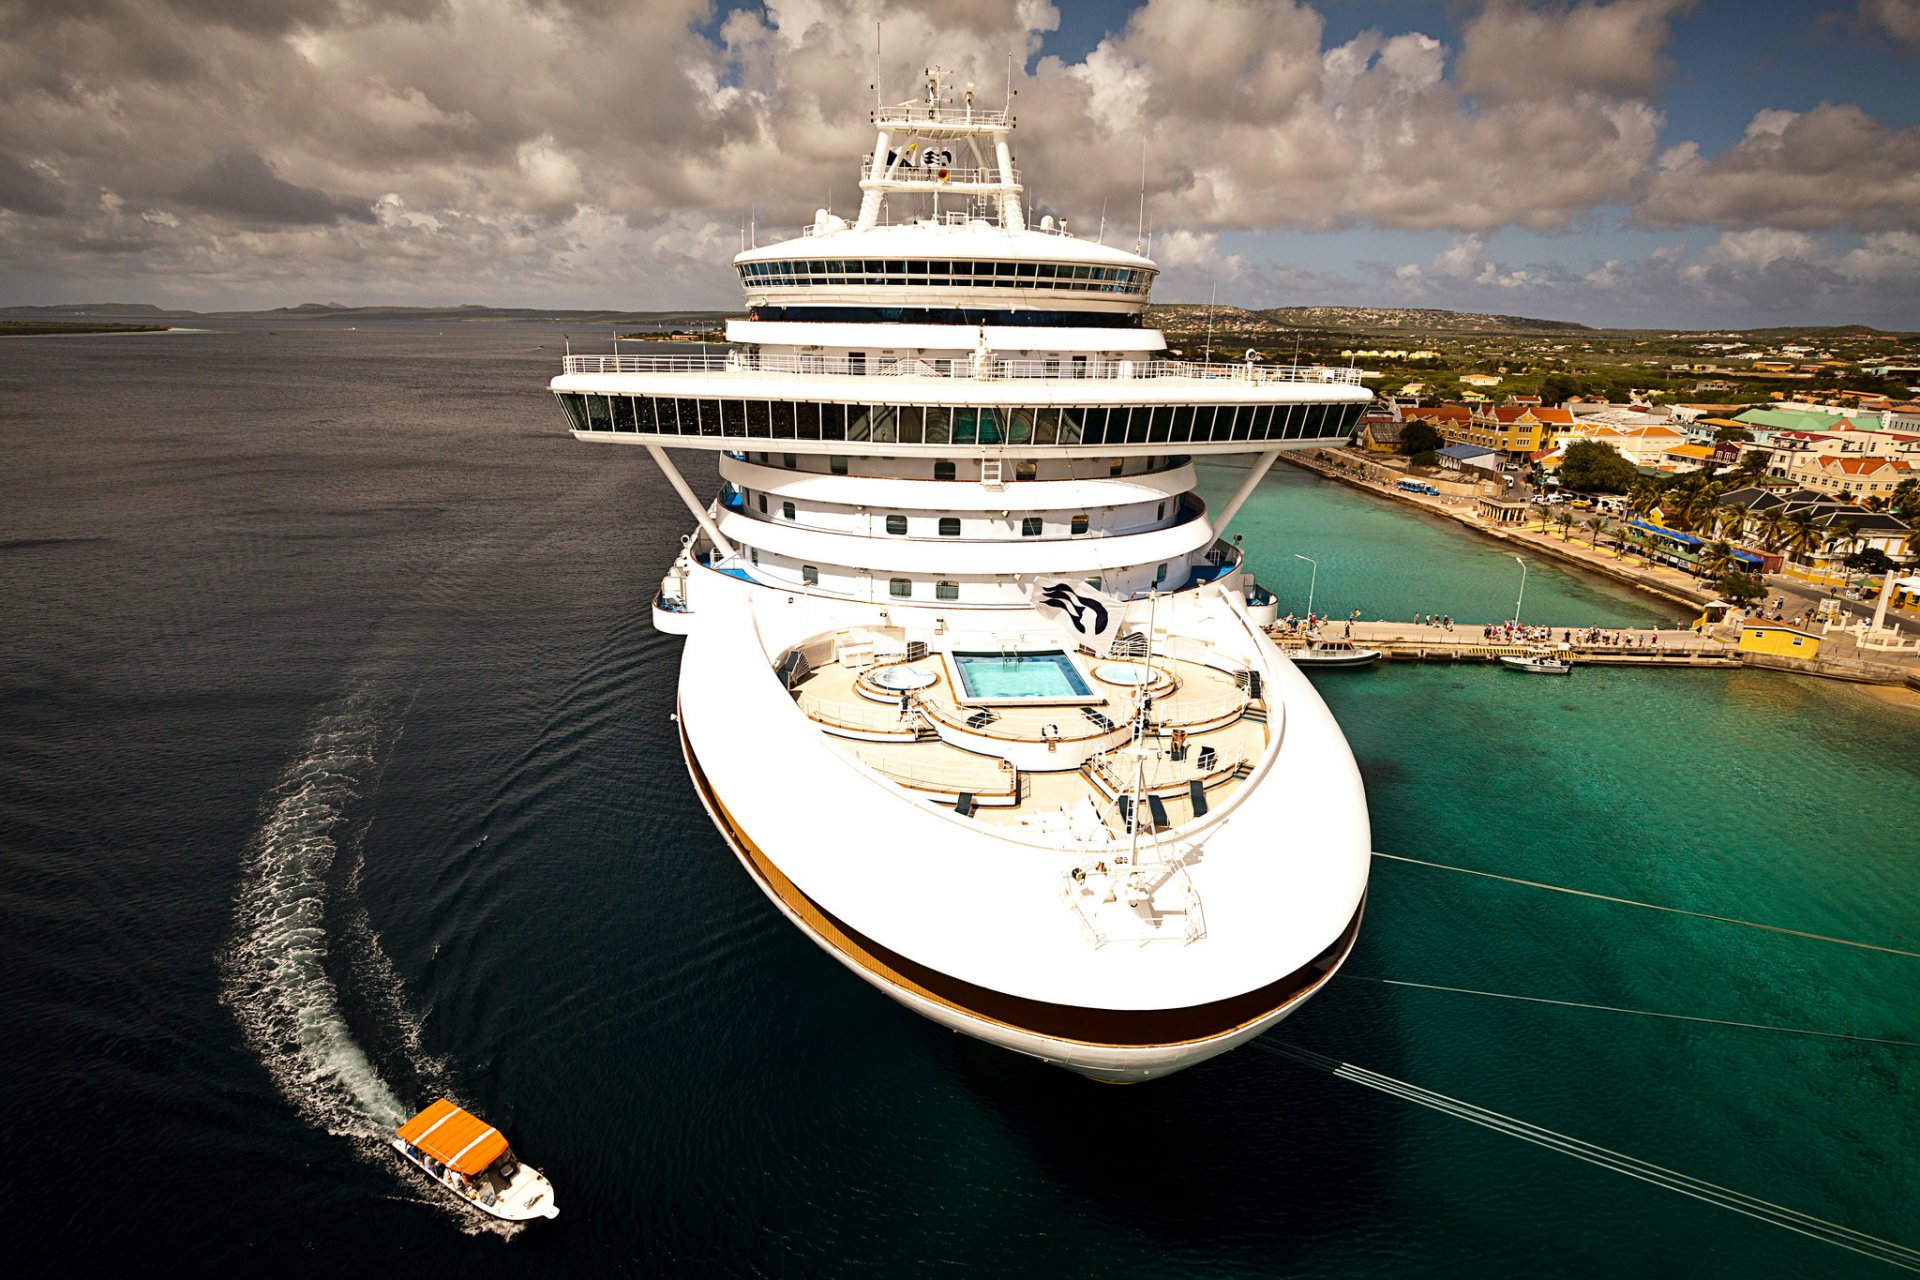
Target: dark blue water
336,772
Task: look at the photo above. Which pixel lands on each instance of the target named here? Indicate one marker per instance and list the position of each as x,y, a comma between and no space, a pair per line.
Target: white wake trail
276,981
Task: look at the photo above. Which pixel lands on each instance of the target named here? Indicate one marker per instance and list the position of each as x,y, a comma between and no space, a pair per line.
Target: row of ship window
920,272
939,424
949,526
943,589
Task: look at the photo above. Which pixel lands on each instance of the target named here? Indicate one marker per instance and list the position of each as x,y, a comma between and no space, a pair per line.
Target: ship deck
1044,768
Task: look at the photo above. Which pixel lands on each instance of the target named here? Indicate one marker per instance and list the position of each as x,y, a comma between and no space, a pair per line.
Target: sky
1639,163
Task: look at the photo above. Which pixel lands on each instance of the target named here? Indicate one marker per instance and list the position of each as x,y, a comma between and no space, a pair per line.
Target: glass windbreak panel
939,425
1046,426
1072,431
1140,419
859,423
833,422
623,416
909,424
733,416
1164,416
575,411
1262,420
758,423
1019,425
806,418
883,423
781,422
1294,416
900,587
1241,426
599,417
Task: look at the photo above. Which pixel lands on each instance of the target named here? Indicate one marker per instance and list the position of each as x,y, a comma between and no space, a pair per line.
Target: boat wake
275,975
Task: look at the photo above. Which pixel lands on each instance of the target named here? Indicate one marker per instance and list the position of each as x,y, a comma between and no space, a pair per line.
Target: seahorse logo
1077,607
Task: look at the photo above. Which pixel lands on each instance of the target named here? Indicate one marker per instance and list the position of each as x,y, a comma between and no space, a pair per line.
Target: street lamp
1523,589
1312,578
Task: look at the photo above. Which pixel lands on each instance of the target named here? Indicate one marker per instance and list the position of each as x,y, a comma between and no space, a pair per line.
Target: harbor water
336,772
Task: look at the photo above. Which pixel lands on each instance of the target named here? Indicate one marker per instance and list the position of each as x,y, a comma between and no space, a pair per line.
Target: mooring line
1651,906
1642,1013
1794,1220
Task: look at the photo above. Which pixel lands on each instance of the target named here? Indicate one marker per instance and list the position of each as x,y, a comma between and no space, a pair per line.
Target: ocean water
336,772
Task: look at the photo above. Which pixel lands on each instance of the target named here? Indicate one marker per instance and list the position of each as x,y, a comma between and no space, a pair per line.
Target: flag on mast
1090,616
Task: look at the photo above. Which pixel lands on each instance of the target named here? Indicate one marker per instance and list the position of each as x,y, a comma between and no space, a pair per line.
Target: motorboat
471,1159
1538,664
1332,653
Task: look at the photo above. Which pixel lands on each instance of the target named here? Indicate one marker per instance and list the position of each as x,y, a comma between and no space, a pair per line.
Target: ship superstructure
974,687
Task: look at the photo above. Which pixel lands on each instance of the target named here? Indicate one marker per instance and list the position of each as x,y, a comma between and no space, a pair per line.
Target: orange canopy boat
470,1157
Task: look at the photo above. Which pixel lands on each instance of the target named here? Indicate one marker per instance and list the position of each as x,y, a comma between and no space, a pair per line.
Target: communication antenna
1102,237
1140,231
1009,84
876,68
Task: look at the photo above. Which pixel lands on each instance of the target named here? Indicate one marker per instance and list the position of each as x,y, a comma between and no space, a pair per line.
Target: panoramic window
896,525
900,586
949,526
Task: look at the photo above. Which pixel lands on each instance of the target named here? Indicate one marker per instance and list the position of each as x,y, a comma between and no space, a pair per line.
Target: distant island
53,328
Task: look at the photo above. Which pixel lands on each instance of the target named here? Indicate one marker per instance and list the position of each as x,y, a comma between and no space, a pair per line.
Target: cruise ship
974,684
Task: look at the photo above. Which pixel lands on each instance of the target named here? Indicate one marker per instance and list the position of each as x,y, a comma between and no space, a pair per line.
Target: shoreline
1643,581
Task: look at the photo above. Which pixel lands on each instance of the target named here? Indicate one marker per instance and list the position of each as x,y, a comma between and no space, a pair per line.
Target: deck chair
1126,811
963,805
1157,811
1197,797
1207,759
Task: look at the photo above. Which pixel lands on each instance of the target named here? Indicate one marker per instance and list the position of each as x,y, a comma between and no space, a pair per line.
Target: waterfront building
1778,641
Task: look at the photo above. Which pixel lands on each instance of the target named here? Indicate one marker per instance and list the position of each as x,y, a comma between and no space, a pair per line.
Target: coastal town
1785,527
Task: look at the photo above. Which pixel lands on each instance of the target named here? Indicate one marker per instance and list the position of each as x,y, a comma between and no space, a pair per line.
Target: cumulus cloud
1897,18
609,151
1831,167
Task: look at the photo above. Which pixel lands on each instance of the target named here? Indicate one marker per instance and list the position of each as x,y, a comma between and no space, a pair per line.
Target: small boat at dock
1331,653
471,1159
1537,664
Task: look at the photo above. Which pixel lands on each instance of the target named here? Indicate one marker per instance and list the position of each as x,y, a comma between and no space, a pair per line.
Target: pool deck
1028,766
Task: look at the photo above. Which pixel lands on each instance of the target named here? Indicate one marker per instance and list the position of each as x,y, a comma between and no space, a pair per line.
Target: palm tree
1770,528
1730,521
1842,536
1799,535
1698,508
1564,518
1716,559
1598,527
1643,497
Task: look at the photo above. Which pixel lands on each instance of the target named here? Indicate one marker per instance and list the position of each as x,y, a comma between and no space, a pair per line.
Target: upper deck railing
963,369
907,115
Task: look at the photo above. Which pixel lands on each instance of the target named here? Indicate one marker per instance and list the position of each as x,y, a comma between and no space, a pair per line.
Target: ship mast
913,154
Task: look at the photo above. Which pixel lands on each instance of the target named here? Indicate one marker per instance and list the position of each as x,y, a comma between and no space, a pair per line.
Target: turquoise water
1026,675
1390,561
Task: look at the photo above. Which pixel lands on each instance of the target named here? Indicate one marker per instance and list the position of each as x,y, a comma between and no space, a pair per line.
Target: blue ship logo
1077,607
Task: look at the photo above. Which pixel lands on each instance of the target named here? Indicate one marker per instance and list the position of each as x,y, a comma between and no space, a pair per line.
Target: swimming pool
1010,677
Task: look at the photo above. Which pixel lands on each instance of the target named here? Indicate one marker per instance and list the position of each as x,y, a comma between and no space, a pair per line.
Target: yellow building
1777,640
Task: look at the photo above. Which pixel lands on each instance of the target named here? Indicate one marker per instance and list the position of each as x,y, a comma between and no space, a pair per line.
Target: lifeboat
471,1159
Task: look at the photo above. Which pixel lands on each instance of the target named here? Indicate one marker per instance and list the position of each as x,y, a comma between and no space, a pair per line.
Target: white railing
906,116
855,712
1117,771
1003,781
961,369
938,176
1177,711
